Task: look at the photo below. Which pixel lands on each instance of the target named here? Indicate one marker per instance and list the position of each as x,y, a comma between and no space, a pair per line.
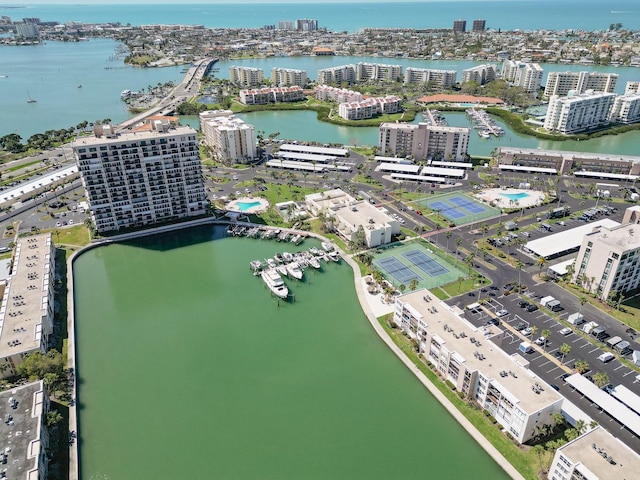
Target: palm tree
448,235
581,366
600,379
460,280
402,287
413,284
541,263
565,349
582,301
534,330
546,333
519,265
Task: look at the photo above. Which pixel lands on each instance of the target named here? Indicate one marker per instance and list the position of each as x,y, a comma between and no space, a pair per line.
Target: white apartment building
632,87
561,83
231,139
286,77
246,76
326,93
263,96
27,30
609,260
439,78
350,214
424,141
136,179
578,113
595,455
481,74
369,107
337,75
378,71
306,25
523,74
26,314
285,25
478,368
626,108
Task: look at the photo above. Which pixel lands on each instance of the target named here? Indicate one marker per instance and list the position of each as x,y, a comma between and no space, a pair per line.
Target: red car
418,212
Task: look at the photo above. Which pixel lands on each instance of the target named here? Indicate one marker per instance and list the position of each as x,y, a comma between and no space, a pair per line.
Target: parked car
540,341
565,331
606,357
527,331
502,313
532,307
523,304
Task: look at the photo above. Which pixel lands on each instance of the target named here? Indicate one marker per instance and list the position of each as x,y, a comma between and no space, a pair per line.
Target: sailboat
29,99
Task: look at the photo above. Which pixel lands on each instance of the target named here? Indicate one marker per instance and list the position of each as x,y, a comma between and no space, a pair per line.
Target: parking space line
577,340
618,368
554,368
594,350
629,373
585,345
545,363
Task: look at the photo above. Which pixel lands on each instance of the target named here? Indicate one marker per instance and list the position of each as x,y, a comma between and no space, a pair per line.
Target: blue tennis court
447,210
424,263
458,208
467,205
397,269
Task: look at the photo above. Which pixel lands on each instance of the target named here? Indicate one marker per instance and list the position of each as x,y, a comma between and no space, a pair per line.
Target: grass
24,165
76,236
456,288
523,459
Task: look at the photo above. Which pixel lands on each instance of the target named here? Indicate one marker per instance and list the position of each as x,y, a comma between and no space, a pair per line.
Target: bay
189,369
352,16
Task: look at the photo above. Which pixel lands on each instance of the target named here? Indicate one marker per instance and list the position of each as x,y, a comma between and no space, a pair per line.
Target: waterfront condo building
26,315
626,108
337,75
370,107
350,215
285,25
561,83
230,138
326,93
306,25
478,368
443,79
481,74
25,451
378,71
609,260
135,179
459,26
632,87
287,77
478,25
263,96
578,113
523,74
424,141
595,455
27,30
246,76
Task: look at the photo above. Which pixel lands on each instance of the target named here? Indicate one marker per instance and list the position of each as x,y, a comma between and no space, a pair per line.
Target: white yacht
327,247
335,256
313,261
295,271
274,282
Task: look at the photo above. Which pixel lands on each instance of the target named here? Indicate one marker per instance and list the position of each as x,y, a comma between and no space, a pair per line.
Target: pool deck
499,197
261,205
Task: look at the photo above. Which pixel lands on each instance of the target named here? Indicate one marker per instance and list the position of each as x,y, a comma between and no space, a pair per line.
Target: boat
315,251
313,261
295,271
295,239
282,270
278,258
271,263
326,246
335,256
288,257
29,99
255,265
275,283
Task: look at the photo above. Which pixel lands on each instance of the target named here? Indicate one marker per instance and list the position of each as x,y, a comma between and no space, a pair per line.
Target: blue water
352,16
244,206
515,196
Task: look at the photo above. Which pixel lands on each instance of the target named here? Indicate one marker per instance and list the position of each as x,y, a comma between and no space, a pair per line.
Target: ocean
505,14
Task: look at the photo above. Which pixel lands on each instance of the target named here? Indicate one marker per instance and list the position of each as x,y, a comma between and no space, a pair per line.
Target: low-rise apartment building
424,141
608,262
267,95
481,74
246,76
362,72
442,79
523,74
287,77
478,368
26,314
337,75
578,113
561,83
326,93
137,179
595,455
350,215
370,107
230,138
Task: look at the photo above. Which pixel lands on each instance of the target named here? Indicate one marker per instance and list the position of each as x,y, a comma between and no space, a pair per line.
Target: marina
482,122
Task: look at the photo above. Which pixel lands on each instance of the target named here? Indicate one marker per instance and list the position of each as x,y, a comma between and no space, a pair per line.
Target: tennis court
459,208
402,264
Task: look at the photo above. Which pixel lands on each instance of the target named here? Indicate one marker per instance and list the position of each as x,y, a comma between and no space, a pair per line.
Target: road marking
629,373
545,363
577,340
616,369
554,368
585,345
594,350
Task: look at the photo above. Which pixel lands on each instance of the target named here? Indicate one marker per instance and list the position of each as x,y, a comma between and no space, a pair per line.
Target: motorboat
255,264
288,257
271,263
295,271
275,283
326,246
282,270
335,256
313,261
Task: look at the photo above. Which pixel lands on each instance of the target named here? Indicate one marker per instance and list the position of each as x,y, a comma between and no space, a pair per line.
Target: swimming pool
244,206
515,196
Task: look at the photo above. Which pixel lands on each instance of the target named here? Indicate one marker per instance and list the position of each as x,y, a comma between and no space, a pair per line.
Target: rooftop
134,136
477,352
624,237
593,449
566,240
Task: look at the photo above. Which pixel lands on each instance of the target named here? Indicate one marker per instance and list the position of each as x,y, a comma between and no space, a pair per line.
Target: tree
460,280
546,333
534,330
36,365
53,418
582,301
600,379
541,263
519,265
402,287
448,235
565,349
413,284
581,366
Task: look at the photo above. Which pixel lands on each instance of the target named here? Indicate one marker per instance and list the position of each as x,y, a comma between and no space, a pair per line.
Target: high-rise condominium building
479,25
231,139
439,78
561,83
246,76
459,26
522,74
626,108
286,77
136,179
306,25
578,113
424,141
27,30
481,74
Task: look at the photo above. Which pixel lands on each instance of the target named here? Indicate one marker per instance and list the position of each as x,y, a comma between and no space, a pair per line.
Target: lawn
77,236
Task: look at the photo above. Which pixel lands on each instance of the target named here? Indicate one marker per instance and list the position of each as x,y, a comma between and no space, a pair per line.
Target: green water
189,369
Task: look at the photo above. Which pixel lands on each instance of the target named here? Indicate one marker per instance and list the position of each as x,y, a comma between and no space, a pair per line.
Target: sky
102,2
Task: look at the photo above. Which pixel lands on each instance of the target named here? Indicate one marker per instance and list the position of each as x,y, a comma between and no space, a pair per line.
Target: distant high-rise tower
460,26
306,25
479,25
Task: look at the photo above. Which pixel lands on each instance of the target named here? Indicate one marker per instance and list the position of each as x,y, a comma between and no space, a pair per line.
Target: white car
70,222
606,357
502,313
565,331
58,224
540,341
527,331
